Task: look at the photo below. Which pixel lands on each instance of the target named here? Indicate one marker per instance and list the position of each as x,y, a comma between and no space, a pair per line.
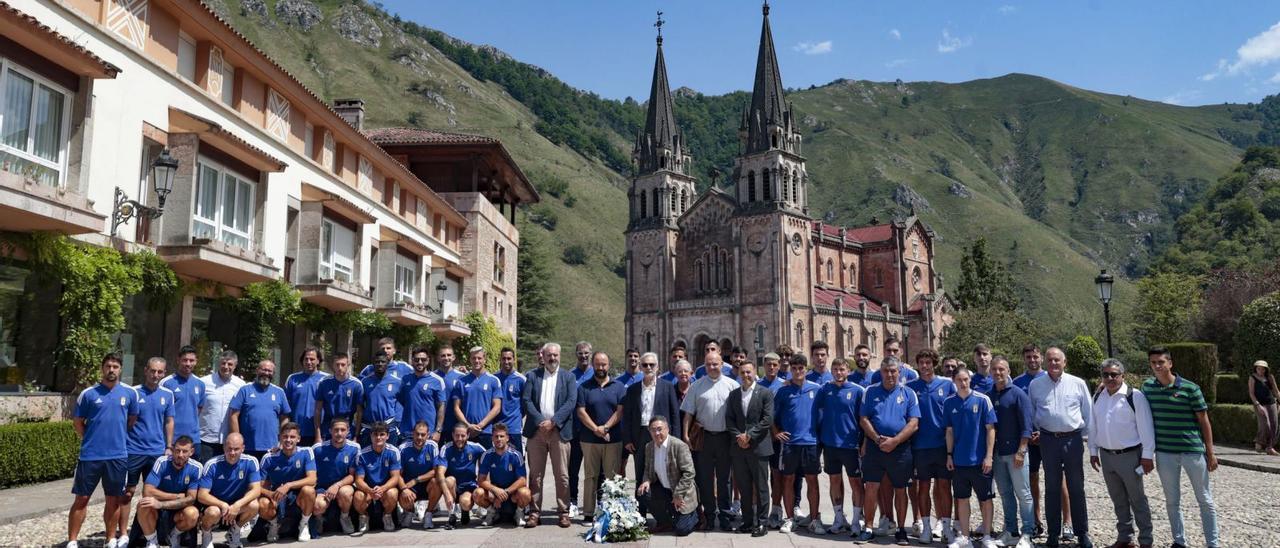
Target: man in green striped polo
1184,441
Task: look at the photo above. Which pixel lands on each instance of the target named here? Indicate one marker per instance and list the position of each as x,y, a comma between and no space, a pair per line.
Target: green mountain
1062,181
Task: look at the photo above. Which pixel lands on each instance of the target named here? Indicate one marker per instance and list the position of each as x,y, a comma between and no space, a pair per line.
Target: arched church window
879,274
873,341
684,201
826,332
697,270
915,278
831,272
795,187
782,182
724,270
673,204
751,186
767,194
657,210
853,276
799,342
644,206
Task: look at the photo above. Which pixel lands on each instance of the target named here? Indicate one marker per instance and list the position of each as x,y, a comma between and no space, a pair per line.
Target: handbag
696,435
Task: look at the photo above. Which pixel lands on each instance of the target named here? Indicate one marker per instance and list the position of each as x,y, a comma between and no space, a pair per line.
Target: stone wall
35,406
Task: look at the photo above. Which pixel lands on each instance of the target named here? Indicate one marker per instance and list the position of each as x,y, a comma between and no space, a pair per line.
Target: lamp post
162,171
1104,282
440,289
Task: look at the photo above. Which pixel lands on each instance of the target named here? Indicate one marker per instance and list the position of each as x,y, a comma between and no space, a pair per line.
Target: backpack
1127,398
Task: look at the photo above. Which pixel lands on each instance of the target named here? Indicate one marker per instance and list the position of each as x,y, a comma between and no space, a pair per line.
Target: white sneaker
345,521
925,529
364,525
273,531
885,527
937,528
839,524
111,543
248,527
73,544
735,509
304,530
479,512
1006,539
206,538
520,517
787,524
420,511
151,543
234,537
489,518
988,542
388,522
917,528
962,542
775,517
1025,542
815,526
800,515
574,512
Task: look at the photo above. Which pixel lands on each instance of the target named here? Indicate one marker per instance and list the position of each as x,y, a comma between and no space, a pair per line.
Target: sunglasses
648,365
1111,375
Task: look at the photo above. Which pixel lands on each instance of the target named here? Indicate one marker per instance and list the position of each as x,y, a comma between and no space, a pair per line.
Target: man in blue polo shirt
378,479
631,374
982,380
150,435
422,396
457,469
301,388
675,355
838,404
819,373
288,481
599,411
929,447
794,409
337,397
1013,435
103,415
861,372
168,503
336,462
445,359
188,395
905,373
397,368
512,388
258,410
1033,364
380,405
725,368
477,400
420,488
503,480
229,493
890,415
971,441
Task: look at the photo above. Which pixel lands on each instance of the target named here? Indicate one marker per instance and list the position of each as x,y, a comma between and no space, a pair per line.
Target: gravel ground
1246,501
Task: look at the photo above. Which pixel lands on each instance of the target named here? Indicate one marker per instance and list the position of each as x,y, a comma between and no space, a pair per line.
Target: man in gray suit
749,421
549,398
668,481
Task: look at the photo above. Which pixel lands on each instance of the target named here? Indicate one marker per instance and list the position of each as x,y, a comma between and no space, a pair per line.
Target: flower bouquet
618,517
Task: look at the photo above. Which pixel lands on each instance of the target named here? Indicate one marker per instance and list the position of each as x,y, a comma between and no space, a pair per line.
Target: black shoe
453,522
759,531
901,537
1176,545
744,528
466,518
725,525
1039,530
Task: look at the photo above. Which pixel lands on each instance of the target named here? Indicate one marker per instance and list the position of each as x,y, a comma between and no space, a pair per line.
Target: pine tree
536,307
984,282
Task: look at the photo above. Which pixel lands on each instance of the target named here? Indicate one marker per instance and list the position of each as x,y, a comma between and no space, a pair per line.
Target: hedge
1233,388
37,451
1233,423
1198,363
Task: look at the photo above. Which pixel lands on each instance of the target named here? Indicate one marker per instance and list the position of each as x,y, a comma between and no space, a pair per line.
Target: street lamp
1104,282
162,172
440,289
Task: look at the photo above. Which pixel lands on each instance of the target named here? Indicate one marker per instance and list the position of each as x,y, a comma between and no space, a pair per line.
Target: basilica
749,267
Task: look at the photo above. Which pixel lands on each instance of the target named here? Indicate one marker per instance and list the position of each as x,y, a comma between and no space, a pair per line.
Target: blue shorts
799,459
841,459
931,463
971,479
896,464
138,467
467,487
111,473
420,489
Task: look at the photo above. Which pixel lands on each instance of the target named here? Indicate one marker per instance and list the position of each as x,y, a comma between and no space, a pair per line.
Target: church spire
768,108
659,147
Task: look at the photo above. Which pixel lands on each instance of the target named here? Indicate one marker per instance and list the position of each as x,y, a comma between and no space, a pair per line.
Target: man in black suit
651,397
549,398
749,420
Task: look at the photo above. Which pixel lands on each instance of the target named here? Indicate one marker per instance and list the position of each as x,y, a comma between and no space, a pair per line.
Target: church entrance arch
695,353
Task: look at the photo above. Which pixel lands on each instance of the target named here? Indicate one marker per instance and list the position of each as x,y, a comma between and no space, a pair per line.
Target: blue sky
1177,51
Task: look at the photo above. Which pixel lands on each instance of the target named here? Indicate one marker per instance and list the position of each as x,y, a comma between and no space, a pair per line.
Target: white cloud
897,63
813,48
1006,9
949,43
1258,51
1182,97
1274,79
895,34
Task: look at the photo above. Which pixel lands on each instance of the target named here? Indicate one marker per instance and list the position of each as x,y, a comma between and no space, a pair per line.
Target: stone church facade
750,267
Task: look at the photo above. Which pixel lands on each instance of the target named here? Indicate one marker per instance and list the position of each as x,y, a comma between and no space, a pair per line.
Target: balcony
407,313
206,259
28,206
450,329
336,295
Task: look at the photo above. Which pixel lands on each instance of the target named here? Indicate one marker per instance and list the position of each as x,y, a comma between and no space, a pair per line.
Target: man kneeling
336,473
456,469
378,479
229,492
503,479
169,494
668,481
421,490
289,480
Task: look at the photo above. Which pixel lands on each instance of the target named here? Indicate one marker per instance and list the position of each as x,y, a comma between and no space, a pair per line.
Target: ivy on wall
260,309
485,334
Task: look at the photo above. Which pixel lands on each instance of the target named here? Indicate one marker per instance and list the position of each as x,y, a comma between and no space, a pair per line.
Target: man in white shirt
668,483
549,397
1061,410
220,387
644,400
705,408
1122,445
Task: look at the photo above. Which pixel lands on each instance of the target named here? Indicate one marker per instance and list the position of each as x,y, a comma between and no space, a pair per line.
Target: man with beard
512,388
258,410
288,482
338,397
929,447
188,396
861,374
336,462
301,389
103,415
378,478
704,409
379,406
949,366
229,492
678,353
456,469
749,420
220,387
444,369
644,400
599,410
503,481
150,435
422,396
837,407
420,491
168,503
1013,435
890,415
632,373
397,368
477,400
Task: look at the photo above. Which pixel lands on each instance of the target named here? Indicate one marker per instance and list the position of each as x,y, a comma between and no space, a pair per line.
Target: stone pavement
32,501
1245,499
1245,457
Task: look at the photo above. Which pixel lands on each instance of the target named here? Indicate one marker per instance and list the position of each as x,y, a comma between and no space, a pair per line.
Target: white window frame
7,66
334,266
406,280
222,230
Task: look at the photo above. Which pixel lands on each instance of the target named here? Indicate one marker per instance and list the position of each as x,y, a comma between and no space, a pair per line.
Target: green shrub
1233,388
37,451
1198,363
574,255
1084,355
1233,423
1258,333
486,334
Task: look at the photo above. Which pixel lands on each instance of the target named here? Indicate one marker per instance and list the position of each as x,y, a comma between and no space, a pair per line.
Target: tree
1258,335
485,334
1167,307
984,282
574,255
1005,331
1084,354
536,309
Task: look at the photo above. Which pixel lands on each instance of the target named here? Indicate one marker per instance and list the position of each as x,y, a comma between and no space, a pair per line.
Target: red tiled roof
107,68
827,297
416,136
873,233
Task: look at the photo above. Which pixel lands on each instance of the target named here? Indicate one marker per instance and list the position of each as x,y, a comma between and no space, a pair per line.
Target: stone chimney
351,110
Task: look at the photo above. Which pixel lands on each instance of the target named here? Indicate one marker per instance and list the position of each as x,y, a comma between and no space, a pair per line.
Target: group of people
725,446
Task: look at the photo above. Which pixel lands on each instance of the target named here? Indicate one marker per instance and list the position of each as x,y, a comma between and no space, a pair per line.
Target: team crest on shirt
123,401
900,399
811,395
161,400
484,387
197,390
346,459
975,408
297,464
509,467
242,474
941,391
390,388
348,393
273,397
848,395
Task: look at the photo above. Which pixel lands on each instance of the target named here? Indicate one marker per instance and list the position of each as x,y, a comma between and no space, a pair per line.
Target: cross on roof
659,24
